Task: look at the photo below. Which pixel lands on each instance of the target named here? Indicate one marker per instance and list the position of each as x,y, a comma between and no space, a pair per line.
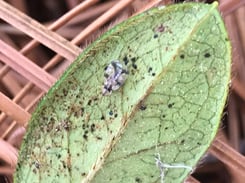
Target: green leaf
151,123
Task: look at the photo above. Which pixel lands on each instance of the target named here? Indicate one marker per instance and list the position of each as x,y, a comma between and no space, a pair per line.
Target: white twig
162,166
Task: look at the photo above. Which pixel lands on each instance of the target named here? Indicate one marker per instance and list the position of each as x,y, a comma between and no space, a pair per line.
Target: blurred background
35,51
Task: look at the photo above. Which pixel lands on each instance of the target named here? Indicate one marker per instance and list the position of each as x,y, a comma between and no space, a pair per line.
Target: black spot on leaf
92,127
83,174
34,171
150,69
138,180
133,59
142,107
134,66
85,136
125,60
170,105
155,36
206,55
58,156
182,56
99,138
89,102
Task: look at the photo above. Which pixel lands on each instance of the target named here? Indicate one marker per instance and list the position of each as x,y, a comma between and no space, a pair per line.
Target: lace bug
114,77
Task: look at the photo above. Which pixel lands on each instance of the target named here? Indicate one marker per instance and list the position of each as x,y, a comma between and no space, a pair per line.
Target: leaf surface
167,111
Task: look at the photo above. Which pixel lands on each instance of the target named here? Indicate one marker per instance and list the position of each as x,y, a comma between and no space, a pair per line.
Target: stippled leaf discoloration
178,68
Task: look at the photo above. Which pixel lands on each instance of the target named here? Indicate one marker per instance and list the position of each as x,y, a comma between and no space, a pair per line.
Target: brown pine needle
38,31
13,110
8,153
25,67
228,156
191,179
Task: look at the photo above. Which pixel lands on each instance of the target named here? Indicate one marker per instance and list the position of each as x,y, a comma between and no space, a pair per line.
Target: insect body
115,76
